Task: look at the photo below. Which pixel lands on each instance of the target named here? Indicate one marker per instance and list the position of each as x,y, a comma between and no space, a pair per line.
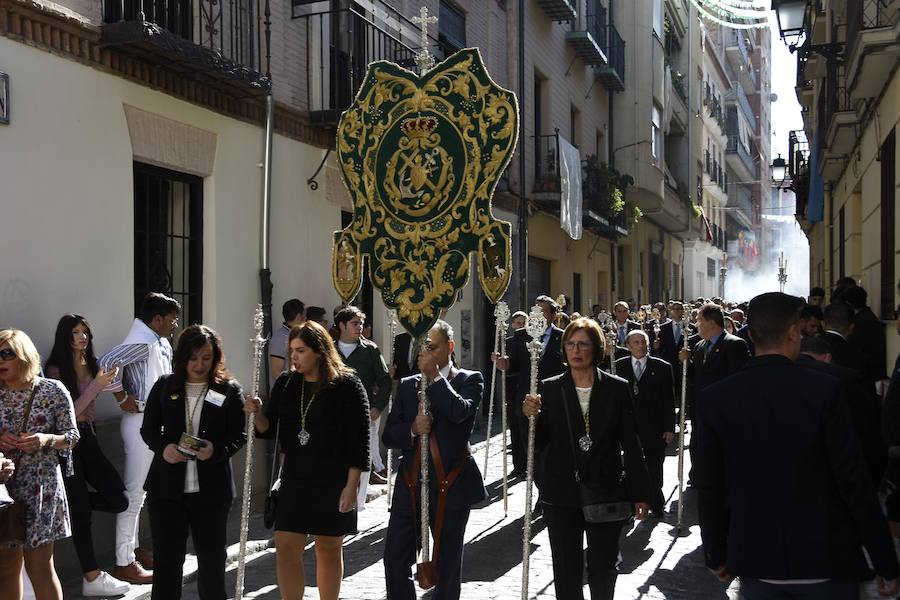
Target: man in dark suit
671,336
623,324
716,356
406,357
868,337
791,515
517,366
864,405
454,396
838,327
652,387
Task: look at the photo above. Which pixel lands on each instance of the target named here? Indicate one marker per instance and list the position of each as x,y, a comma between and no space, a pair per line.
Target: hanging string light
727,19
721,8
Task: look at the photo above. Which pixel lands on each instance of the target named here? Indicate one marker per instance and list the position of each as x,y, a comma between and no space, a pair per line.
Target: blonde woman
37,424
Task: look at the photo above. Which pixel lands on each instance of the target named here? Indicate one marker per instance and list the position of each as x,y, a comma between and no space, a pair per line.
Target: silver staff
423,471
501,313
536,327
392,326
607,324
684,372
504,426
259,343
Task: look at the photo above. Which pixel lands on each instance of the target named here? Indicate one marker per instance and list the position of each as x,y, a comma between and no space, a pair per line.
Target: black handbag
271,506
599,503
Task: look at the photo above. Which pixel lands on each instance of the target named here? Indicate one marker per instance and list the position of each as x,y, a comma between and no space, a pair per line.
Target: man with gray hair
456,484
652,387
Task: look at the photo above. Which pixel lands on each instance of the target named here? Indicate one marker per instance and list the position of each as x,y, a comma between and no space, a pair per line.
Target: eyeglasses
7,354
579,346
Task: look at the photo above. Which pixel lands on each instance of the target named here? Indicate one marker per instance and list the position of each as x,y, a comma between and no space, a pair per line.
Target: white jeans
138,458
375,444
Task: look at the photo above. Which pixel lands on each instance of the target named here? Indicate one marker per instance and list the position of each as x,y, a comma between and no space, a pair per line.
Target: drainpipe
265,274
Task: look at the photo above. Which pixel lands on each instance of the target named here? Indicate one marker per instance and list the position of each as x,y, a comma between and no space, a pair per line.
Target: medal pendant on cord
585,442
635,389
303,437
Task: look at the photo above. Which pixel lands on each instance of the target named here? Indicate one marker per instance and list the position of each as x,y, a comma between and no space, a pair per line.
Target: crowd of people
795,427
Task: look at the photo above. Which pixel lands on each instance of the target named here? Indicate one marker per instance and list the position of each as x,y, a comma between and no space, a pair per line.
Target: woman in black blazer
192,492
588,414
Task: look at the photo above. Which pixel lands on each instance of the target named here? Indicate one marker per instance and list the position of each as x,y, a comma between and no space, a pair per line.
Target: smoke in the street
788,238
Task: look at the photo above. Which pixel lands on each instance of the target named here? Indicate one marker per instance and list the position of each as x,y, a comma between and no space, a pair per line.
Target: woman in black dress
320,414
587,432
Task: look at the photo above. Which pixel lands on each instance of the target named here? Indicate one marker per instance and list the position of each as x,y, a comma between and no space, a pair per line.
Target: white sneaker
104,585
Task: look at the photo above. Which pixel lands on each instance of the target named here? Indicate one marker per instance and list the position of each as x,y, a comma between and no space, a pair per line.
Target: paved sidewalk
655,563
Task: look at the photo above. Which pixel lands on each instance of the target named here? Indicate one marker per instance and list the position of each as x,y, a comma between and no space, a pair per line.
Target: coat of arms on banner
421,156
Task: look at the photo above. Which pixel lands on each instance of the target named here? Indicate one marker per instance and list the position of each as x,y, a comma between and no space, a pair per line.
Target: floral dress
38,479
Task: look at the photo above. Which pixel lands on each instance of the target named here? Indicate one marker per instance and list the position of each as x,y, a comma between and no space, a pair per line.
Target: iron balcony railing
546,163
736,146
837,95
588,35
336,49
740,198
616,52
219,35
736,38
869,14
736,94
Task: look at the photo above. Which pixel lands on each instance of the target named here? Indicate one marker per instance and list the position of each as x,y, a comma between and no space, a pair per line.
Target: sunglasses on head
7,354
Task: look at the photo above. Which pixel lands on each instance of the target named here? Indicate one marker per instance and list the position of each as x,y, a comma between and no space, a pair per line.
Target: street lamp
791,19
779,170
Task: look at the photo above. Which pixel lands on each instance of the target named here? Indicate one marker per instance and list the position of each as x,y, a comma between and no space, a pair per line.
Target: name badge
215,398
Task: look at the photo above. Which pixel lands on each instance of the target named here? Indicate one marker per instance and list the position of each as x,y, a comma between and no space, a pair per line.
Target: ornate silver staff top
536,326
259,343
608,325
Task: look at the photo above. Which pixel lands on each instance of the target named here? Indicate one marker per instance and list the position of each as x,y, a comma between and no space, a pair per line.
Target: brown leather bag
427,572
12,513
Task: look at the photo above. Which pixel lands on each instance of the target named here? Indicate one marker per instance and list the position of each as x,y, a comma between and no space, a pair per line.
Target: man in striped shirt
143,357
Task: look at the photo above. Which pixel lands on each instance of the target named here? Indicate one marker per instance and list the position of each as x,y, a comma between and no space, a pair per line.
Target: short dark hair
676,304
291,309
838,316
817,292
347,314
856,297
544,298
814,344
811,312
315,313
712,312
773,314
155,304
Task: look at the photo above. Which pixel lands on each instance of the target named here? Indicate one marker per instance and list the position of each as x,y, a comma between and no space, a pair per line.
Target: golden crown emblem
418,127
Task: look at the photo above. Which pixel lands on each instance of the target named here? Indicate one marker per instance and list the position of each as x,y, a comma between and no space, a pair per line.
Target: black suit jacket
613,431
868,340
784,492
865,410
630,326
551,362
401,357
726,356
164,422
454,404
845,355
654,403
744,334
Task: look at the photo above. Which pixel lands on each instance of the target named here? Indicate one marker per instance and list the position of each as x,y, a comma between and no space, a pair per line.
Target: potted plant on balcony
604,188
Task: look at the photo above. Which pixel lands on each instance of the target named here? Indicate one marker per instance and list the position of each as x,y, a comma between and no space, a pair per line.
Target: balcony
219,43
738,52
873,45
736,97
546,188
612,74
839,118
588,34
336,49
740,159
558,10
